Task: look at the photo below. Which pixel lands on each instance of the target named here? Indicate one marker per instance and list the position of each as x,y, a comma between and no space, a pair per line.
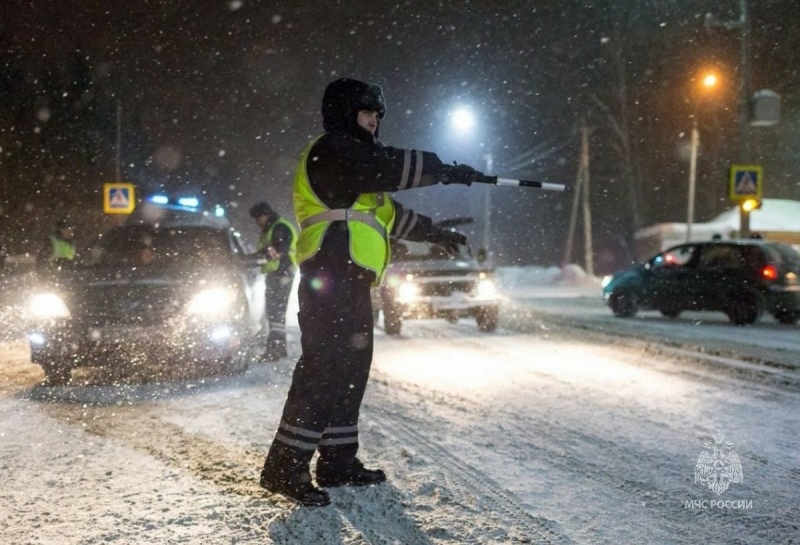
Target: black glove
446,240
457,174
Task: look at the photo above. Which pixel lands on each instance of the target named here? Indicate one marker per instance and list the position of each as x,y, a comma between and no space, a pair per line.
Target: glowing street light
462,119
710,80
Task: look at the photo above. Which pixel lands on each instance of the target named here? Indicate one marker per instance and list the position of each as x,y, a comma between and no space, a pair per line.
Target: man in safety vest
59,248
346,217
277,244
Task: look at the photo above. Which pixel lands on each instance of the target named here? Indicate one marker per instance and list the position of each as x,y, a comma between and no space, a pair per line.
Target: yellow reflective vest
265,241
62,249
369,221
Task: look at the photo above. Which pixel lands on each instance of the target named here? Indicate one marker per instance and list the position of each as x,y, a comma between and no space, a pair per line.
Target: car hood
122,275
434,268
627,274
125,295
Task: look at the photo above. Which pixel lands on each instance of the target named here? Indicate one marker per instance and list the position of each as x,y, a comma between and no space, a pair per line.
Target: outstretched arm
339,164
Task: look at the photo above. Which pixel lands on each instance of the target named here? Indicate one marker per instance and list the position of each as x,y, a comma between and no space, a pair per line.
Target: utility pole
487,207
744,84
587,215
582,193
743,25
118,150
744,113
692,178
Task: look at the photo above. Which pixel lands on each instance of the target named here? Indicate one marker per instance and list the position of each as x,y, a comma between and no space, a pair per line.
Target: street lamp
708,82
463,120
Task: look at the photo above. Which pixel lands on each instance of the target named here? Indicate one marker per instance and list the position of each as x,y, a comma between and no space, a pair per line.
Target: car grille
134,305
445,288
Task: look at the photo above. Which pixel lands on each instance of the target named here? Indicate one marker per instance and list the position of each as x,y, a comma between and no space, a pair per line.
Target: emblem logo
718,466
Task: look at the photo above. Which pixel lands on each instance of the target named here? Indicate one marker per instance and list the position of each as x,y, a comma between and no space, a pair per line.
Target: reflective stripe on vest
345,214
62,249
369,220
265,241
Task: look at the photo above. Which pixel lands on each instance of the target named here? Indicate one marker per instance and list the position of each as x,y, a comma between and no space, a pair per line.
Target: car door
254,283
721,271
671,272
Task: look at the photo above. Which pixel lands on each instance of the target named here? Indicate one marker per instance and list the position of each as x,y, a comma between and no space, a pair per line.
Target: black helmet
344,98
261,209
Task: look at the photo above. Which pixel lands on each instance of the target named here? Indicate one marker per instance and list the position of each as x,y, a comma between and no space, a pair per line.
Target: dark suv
742,278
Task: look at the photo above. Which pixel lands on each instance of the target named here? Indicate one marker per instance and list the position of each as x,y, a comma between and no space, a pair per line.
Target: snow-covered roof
774,215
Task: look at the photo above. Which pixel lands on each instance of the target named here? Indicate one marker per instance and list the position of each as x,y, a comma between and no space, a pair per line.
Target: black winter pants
328,383
279,286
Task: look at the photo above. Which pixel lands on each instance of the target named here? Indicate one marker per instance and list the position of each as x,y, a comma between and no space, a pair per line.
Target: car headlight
211,302
407,291
48,306
486,288
606,280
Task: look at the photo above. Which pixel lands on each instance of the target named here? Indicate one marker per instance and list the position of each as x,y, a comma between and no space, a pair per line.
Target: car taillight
769,272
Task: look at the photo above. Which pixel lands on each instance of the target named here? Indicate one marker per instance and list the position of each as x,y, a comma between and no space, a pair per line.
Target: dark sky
221,96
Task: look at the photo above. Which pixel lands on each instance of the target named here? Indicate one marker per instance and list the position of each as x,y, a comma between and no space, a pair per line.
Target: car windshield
142,245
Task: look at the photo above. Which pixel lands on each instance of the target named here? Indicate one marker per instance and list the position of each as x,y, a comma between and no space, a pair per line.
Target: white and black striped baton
495,180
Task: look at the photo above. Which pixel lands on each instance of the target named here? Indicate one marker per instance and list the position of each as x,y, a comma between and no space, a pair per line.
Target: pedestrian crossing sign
746,182
118,198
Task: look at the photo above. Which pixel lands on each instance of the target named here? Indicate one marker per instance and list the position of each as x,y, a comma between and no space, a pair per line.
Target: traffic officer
277,244
59,247
346,217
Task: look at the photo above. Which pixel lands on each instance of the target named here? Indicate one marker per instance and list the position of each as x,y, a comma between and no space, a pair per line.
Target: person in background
59,247
277,245
346,216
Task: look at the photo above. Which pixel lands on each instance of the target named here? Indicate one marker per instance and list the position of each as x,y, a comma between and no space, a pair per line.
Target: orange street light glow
710,80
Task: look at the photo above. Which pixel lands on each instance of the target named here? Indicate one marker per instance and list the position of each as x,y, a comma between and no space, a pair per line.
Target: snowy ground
503,438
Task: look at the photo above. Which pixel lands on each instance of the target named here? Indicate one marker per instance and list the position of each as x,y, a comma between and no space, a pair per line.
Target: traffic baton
494,180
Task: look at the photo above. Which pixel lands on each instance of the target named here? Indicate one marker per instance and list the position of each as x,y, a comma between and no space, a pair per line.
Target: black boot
352,474
286,472
296,487
274,353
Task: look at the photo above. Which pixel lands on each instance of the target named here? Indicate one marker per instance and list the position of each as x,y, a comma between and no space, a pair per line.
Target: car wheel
487,318
786,317
392,320
670,312
56,373
742,308
623,303
235,364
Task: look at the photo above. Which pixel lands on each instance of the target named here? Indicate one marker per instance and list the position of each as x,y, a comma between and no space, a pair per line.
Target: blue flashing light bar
159,199
219,211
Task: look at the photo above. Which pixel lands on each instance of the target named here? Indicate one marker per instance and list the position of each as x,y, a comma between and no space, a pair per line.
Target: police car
173,286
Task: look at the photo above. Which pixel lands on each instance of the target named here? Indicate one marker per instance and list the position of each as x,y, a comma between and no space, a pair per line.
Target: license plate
119,334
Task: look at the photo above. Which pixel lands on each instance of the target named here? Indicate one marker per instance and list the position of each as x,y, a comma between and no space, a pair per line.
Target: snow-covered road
502,438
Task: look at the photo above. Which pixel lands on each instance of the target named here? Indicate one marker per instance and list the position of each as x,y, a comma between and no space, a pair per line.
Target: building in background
777,219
